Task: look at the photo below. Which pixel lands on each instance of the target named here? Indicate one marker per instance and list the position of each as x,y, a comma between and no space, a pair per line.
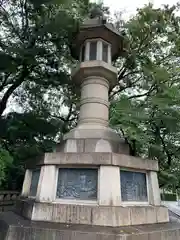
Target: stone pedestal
108,208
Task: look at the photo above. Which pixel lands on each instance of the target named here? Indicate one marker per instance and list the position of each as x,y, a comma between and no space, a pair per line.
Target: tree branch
129,84
144,94
11,25
142,41
11,89
68,117
4,83
70,112
121,74
130,73
157,133
121,88
169,156
25,20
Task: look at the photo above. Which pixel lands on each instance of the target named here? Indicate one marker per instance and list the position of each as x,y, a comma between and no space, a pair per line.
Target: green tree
5,162
34,77
145,104
34,74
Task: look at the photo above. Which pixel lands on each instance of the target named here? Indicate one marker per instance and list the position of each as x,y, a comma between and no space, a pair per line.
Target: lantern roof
98,28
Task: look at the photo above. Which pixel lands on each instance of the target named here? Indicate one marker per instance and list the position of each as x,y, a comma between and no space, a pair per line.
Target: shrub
168,197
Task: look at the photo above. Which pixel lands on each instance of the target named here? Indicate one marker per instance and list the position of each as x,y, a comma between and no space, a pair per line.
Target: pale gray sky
130,6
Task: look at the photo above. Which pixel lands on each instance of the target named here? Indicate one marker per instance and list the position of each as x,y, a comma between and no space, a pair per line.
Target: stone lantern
91,178
95,46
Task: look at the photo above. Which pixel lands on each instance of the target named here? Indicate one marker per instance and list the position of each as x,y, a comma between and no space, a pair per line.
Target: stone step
14,227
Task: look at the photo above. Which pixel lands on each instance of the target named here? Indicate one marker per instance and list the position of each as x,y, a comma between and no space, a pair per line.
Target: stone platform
14,227
109,208
91,215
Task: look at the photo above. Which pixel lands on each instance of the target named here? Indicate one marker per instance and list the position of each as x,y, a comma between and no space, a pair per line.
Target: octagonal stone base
109,156
108,209
92,214
14,227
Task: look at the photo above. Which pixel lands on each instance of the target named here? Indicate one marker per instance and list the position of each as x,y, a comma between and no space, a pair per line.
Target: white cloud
129,6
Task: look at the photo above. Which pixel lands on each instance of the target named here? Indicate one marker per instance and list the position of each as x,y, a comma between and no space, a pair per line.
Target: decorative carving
133,186
34,182
74,183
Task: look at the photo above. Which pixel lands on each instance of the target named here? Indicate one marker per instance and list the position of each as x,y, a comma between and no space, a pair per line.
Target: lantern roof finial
96,12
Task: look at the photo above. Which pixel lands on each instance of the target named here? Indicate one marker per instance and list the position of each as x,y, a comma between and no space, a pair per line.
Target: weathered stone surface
59,213
78,158
155,236
138,237
100,158
162,213
111,216
80,145
74,145
14,227
47,184
150,214
103,216
138,215
95,68
103,146
26,183
42,212
123,216
112,196
71,214
134,162
170,235
79,133
27,209
90,145
92,214
154,191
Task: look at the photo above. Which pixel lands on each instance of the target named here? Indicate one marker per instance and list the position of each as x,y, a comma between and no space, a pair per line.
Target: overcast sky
130,6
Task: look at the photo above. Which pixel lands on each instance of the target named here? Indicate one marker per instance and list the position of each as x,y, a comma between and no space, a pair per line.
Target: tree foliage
34,76
5,162
145,106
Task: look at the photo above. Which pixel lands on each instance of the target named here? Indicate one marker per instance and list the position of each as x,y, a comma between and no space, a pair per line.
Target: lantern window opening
82,55
95,49
105,52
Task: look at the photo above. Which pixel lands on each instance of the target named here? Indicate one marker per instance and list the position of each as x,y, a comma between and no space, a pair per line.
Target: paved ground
173,207
174,211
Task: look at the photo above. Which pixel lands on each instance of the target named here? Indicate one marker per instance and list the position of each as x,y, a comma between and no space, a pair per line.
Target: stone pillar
99,50
109,186
109,54
154,191
47,184
26,183
87,49
94,109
